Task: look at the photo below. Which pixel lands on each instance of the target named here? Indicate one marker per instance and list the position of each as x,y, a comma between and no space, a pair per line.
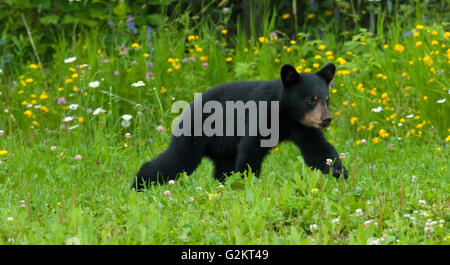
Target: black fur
297,94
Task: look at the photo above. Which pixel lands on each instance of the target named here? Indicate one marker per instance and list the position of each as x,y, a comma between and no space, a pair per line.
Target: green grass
398,178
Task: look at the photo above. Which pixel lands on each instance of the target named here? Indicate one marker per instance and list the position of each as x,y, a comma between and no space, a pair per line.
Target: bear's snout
325,122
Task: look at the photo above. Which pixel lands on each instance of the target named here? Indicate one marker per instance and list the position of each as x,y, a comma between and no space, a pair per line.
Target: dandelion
94,84
28,113
285,16
3,152
353,120
399,47
70,60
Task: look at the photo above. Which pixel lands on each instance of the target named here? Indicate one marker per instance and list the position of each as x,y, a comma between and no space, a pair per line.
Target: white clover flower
94,84
69,60
73,241
373,241
10,219
171,182
167,193
67,119
359,212
98,111
73,106
440,101
329,161
422,203
335,221
413,178
1,71
138,84
342,156
313,227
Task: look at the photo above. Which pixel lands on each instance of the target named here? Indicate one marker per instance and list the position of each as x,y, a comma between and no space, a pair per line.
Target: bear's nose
326,122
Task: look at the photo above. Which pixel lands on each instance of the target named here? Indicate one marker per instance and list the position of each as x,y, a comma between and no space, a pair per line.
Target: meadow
74,132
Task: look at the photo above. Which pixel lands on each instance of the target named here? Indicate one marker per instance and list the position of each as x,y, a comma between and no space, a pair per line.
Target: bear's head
306,95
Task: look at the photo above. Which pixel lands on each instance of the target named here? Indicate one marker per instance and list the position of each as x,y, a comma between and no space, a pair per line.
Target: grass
397,192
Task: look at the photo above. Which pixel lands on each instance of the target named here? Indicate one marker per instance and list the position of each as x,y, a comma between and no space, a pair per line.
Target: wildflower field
76,127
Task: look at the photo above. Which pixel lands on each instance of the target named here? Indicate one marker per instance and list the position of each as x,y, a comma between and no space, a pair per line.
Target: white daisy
138,84
440,101
126,120
69,60
67,119
98,111
73,106
378,109
73,127
127,117
410,116
94,84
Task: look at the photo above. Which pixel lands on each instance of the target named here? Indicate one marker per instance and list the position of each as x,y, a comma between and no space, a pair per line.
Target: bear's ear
327,72
289,75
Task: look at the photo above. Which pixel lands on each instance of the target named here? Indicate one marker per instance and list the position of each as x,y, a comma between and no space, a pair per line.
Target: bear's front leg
250,153
317,151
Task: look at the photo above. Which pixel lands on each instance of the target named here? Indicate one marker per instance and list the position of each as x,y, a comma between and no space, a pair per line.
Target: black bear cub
296,108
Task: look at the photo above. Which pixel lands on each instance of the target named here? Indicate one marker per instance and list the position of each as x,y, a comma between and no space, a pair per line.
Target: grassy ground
66,171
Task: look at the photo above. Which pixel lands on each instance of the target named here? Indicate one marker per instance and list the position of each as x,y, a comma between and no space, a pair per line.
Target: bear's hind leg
168,165
223,166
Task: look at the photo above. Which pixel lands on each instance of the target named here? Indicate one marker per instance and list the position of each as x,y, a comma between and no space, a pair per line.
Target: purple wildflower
131,25
62,101
149,32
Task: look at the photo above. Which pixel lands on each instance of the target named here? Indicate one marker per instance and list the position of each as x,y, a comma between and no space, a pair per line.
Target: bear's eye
312,101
